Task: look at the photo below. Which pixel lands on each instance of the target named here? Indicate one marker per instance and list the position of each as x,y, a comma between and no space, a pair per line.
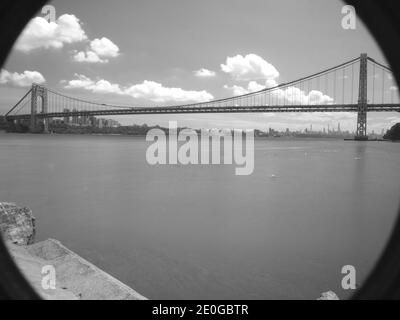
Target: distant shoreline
308,137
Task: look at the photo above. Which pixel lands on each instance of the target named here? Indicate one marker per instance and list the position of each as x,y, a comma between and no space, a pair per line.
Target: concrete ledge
76,278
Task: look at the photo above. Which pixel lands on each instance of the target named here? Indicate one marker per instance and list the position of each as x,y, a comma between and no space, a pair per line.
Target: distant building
75,118
66,118
57,121
92,121
107,123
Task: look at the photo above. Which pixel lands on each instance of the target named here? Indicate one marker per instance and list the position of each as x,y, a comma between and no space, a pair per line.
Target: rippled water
310,207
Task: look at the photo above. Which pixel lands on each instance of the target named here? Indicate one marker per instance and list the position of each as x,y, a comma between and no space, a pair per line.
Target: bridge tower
362,100
38,91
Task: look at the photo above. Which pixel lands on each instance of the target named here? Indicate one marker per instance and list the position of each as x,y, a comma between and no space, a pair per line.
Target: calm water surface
200,232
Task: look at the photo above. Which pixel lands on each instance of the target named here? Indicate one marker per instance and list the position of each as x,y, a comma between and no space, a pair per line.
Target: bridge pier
361,134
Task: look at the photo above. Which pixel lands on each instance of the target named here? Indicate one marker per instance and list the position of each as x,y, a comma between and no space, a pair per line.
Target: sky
167,52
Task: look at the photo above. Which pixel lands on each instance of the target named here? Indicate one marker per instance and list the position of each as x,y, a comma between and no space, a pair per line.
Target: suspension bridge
360,85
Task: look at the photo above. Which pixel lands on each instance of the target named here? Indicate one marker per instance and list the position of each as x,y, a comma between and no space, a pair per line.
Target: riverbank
75,277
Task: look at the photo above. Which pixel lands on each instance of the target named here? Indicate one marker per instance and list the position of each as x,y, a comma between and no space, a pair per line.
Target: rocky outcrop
75,277
17,224
330,295
394,133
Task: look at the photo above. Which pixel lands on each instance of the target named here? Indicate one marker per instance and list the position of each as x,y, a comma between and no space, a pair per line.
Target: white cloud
24,79
99,86
88,56
40,33
236,90
252,67
249,67
204,73
271,83
104,47
289,94
149,90
98,52
253,86
158,93
297,96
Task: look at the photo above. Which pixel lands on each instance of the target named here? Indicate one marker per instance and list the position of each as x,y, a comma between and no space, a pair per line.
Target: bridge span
360,85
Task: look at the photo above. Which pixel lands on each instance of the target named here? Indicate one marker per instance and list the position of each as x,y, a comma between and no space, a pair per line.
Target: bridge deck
225,109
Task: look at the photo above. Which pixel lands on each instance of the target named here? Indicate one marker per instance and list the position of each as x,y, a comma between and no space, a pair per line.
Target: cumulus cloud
88,56
24,79
148,90
249,67
99,51
204,73
296,96
40,33
158,93
289,95
104,47
253,86
236,90
99,86
254,68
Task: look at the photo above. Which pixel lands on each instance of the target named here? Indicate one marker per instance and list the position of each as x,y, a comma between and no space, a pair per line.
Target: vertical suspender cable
373,84
352,83
334,85
343,80
383,85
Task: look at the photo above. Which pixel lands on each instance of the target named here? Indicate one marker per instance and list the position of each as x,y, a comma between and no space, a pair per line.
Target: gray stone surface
17,224
330,295
76,278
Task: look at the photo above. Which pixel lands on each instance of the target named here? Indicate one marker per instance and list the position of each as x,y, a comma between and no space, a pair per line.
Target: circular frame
382,18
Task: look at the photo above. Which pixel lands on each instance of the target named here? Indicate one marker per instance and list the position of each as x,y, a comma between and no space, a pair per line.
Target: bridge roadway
211,109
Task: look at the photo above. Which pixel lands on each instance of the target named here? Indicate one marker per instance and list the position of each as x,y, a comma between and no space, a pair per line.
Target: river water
201,232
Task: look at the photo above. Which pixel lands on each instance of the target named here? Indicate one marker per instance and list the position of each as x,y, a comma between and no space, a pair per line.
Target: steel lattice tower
362,100
38,91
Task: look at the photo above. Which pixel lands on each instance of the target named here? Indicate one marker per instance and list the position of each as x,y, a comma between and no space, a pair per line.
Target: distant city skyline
165,52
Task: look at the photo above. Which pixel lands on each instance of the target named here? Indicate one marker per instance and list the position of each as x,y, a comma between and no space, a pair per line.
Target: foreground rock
76,278
330,295
17,224
394,133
